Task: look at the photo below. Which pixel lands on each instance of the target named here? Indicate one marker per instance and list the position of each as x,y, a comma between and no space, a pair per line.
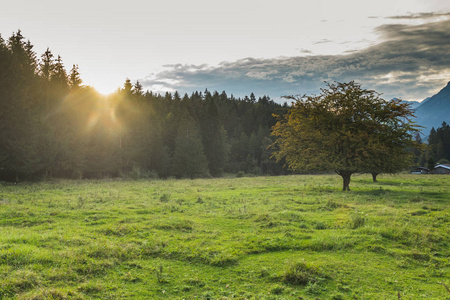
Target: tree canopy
346,129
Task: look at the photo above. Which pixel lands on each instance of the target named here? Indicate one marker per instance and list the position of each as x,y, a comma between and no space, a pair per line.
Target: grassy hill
292,237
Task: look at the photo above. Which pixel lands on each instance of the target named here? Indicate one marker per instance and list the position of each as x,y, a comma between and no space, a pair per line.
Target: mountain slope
412,104
434,110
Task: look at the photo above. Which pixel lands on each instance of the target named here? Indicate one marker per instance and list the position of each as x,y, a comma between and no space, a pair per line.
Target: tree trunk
374,176
346,179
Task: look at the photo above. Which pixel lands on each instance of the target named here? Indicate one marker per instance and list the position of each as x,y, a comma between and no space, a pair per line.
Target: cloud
323,41
428,15
305,51
412,62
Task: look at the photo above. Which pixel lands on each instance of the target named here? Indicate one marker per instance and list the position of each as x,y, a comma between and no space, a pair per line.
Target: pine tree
137,88
214,137
59,79
74,78
47,65
189,159
438,148
21,122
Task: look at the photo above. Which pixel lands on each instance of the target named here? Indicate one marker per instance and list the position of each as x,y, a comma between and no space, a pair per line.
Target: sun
104,113
104,91
104,87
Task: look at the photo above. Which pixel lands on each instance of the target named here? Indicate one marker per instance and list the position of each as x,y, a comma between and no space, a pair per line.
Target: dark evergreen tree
189,159
137,88
59,79
438,148
214,137
20,109
5,67
74,78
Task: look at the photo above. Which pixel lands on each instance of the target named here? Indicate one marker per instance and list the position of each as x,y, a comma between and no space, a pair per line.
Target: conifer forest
51,125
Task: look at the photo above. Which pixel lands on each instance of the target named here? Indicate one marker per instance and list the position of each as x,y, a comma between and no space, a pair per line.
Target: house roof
445,166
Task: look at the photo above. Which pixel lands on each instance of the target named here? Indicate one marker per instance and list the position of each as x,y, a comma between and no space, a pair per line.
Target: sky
400,48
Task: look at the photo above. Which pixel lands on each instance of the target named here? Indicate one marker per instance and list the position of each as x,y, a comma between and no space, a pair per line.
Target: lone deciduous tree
346,129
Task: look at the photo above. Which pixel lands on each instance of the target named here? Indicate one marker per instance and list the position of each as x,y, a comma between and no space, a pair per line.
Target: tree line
51,125
437,150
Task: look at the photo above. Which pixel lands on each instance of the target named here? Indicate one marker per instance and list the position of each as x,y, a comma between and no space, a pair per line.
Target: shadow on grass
382,189
382,182
403,195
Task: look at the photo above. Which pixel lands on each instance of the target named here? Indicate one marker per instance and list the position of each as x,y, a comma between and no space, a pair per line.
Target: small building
420,170
441,169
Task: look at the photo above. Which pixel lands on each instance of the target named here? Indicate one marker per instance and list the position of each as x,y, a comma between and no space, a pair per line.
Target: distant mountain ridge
434,110
413,104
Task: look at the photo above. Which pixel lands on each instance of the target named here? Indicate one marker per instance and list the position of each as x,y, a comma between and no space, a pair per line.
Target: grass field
291,237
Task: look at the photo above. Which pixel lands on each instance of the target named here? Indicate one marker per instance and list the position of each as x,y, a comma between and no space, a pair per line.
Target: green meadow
287,237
